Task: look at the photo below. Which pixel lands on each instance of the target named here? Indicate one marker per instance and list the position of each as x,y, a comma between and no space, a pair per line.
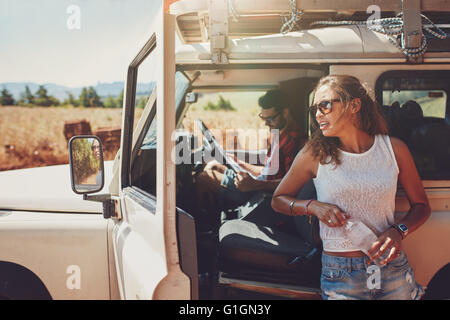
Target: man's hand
244,182
214,165
235,158
252,168
211,165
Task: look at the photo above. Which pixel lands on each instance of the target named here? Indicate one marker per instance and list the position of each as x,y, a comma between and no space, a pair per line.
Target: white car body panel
53,245
145,240
46,189
48,229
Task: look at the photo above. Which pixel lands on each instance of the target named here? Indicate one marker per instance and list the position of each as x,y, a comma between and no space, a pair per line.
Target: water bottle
361,236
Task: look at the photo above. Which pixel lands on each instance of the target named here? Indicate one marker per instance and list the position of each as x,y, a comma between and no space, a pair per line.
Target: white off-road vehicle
146,235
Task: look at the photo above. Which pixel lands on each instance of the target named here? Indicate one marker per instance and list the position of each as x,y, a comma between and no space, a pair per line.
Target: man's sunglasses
269,119
325,106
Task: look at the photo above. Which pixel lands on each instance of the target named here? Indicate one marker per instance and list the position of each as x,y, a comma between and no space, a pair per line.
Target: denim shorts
229,193
352,279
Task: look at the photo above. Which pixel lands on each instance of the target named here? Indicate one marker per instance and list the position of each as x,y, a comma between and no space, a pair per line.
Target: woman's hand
389,241
329,214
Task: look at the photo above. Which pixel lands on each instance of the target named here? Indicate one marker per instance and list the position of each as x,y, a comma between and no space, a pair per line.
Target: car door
145,239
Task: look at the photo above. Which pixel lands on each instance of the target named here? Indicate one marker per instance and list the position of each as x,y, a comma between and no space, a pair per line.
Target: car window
432,102
181,85
144,166
416,108
232,117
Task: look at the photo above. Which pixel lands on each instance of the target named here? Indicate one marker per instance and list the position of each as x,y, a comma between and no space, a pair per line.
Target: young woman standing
355,167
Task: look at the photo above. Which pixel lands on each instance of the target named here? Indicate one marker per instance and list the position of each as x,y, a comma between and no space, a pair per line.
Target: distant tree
142,101
211,106
83,99
6,98
222,104
70,100
94,98
225,104
43,99
26,97
89,98
109,102
54,101
119,99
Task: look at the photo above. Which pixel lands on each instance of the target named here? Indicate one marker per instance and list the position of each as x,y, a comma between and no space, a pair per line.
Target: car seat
252,251
430,146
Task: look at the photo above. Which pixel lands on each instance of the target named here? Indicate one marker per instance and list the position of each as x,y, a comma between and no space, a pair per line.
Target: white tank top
364,186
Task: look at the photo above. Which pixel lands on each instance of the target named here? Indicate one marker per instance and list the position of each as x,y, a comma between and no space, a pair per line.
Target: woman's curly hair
369,118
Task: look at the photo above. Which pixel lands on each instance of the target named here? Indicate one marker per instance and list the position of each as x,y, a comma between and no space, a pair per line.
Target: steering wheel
212,145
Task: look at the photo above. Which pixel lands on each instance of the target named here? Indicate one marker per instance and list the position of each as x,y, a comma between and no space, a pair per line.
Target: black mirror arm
109,205
97,197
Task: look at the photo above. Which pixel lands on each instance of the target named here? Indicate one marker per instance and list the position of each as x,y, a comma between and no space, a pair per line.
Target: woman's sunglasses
325,107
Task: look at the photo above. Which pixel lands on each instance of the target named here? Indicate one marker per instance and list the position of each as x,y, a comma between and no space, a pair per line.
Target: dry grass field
244,123
33,137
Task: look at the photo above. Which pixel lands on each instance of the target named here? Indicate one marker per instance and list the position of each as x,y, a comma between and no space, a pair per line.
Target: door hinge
111,205
108,208
111,209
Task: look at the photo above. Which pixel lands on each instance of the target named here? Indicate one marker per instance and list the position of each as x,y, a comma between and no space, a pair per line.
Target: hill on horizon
60,92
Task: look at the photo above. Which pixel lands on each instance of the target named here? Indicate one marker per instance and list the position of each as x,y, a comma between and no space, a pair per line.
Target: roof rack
219,20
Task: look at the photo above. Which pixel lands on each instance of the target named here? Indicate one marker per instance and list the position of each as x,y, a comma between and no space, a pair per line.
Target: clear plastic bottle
361,236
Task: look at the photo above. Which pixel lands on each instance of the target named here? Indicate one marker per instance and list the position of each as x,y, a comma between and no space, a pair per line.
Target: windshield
181,85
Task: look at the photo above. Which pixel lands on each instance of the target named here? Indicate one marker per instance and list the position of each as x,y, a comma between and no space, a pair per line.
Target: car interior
237,251
420,117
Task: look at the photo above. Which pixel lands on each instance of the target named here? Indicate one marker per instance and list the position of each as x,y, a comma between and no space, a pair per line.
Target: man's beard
282,122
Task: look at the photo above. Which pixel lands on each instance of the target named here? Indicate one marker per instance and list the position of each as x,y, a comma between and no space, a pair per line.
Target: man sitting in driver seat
233,189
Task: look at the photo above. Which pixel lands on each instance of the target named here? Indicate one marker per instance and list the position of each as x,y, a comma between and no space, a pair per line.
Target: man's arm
252,168
245,183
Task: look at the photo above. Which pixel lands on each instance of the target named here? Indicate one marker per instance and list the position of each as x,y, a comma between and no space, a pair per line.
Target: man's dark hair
273,99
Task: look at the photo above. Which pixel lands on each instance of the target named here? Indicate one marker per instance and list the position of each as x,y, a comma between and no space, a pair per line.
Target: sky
71,42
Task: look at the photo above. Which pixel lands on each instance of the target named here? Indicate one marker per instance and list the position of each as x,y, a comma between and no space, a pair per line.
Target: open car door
145,238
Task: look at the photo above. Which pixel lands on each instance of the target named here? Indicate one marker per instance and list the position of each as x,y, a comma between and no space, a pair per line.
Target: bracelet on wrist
291,207
306,209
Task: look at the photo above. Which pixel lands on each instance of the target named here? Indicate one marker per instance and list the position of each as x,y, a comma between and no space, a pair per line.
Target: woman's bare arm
302,170
412,184
420,210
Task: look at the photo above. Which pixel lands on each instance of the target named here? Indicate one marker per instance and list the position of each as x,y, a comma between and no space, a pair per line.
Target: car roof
348,43
253,31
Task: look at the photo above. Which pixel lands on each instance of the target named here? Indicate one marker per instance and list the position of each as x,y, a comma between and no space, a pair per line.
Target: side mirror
86,164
